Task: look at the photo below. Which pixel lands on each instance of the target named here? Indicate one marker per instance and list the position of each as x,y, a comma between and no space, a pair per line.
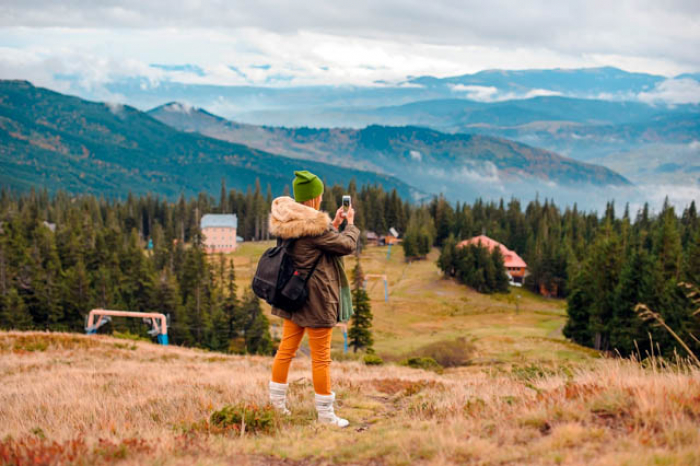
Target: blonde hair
314,203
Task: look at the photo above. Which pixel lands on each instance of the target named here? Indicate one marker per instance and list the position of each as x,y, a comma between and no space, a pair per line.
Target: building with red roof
515,265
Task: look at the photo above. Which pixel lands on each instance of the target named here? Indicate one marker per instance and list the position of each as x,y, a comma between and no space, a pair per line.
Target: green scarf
345,295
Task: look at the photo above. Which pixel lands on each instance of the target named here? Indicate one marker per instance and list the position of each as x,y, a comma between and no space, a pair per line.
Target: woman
316,239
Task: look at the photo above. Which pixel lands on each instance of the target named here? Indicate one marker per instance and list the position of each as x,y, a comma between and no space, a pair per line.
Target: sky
311,42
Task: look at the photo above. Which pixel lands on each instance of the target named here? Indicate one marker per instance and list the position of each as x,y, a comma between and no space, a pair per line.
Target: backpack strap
313,269
287,243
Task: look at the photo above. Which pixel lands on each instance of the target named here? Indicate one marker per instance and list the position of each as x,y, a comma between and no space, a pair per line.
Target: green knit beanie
306,186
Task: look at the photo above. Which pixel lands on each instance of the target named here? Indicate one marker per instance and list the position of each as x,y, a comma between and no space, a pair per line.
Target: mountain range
459,165
57,141
64,142
492,133
301,105
580,128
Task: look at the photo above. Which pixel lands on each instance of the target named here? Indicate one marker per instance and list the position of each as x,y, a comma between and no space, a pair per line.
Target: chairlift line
160,331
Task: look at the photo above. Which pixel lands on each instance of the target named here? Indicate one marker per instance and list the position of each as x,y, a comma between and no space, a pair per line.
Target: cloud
493,94
673,91
540,93
479,173
316,42
641,28
179,107
480,93
115,108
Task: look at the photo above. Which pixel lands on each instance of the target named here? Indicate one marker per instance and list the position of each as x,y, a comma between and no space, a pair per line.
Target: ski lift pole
344,329
381,277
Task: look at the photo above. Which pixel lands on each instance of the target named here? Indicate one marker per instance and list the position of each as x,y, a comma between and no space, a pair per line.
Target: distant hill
581,82
302,105
464,164
454,113
57,141
580,128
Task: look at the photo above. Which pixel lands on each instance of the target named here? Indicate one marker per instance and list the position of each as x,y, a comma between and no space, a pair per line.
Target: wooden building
514,264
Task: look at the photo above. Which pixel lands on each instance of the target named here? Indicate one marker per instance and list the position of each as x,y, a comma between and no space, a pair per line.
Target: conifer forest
62,255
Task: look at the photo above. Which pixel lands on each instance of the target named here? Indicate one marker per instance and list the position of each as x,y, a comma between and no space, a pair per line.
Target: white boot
326,415
278,397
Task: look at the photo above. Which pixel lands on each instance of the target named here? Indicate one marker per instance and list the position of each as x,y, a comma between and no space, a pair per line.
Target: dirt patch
571,391
404,387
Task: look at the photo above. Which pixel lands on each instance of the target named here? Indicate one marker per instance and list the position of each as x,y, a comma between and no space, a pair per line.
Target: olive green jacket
315,238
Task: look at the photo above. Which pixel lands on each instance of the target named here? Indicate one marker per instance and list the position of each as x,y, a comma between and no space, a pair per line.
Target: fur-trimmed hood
290,219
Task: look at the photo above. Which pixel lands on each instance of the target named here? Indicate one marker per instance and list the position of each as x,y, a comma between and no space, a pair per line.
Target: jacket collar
290,219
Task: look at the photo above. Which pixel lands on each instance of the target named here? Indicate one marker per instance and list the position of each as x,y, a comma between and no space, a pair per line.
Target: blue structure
386,289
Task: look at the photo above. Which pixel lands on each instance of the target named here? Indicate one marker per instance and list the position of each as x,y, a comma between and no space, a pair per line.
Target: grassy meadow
526,395
424,308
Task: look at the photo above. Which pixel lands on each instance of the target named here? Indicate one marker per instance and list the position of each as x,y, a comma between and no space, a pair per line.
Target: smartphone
346,202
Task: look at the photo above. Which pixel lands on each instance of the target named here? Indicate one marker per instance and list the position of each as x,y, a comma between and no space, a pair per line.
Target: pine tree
579,303
360,333
194,286
223,198
77,299
168,297
500,282
410,245
231,306
447,258
627,331
692,259
257,328
15,315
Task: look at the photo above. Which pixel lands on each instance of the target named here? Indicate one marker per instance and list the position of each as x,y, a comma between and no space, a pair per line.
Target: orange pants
320,345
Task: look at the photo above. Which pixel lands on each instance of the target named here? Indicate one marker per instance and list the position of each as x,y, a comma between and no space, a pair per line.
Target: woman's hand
342,214
339,217
350,215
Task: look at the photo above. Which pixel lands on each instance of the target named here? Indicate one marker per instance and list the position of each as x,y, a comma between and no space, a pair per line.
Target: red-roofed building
515,265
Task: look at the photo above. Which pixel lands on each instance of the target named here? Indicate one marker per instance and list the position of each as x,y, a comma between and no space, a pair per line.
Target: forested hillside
418,156
60,142
604,266
97,257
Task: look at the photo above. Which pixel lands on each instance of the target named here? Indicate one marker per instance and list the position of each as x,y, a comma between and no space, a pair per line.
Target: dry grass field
73,399
525,396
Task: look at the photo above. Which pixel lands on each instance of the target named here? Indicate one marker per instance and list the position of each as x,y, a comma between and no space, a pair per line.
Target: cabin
372,238
514,264
219,233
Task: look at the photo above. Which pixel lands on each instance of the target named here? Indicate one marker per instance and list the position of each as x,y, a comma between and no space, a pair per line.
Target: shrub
447,353
129,336
423,363
340,355
372,360
249,417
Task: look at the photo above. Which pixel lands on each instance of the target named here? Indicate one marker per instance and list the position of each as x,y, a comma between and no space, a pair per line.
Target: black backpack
278,282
